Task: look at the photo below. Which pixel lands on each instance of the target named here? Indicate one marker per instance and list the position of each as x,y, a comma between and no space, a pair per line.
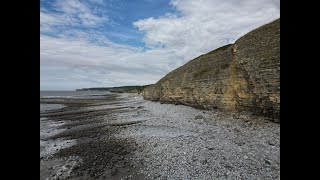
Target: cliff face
244,76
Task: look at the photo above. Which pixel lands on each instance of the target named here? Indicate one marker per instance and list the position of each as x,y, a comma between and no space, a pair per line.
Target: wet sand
79,143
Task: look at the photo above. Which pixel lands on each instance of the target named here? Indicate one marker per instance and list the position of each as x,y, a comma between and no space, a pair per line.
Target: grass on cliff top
219,49
211,70
203,72
214,51
120,89
124,89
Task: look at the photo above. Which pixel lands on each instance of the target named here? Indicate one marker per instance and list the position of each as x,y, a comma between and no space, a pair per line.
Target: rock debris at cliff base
181,142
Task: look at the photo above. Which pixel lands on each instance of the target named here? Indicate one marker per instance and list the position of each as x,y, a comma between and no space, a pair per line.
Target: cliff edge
244,76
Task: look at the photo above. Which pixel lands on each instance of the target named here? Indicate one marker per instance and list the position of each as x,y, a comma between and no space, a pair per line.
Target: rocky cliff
244,76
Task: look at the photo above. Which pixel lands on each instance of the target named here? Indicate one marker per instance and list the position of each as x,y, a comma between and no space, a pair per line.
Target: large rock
244,76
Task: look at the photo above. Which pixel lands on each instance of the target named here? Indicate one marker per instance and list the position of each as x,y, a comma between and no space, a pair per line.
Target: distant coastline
120,89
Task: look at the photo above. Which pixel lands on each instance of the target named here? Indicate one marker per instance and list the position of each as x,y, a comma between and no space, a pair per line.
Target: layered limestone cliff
244,76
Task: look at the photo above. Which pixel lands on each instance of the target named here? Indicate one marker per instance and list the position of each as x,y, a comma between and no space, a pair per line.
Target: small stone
240,143
199,117
114,172
268,161
204,162
194,158
245,157
228,166
237,130
276,120
272,143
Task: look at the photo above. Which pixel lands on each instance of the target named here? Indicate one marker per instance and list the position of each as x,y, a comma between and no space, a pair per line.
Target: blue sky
102,43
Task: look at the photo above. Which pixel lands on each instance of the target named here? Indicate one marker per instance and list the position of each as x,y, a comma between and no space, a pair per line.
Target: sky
107,43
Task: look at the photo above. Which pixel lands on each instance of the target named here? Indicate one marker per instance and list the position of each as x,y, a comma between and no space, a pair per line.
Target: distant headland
120,89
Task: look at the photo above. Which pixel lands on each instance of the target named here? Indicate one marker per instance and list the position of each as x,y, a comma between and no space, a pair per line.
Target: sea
72,94
68,94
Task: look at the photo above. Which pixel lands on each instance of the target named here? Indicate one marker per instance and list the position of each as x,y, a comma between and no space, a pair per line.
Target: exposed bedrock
244,76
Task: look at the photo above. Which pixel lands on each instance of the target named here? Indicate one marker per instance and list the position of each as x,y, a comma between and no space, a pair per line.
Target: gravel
180,142
168,142
50,107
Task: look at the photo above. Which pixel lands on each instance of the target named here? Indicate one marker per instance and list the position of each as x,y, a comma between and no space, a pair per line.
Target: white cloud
75,59
80,59
206,24
71,13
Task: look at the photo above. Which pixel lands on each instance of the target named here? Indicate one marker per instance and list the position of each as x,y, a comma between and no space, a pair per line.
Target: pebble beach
127,137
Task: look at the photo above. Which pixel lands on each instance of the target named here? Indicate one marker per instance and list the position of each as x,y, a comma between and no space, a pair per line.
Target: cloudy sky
103,43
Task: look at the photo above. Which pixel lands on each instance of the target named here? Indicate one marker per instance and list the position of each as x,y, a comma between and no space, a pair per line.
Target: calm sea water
48,94
68,94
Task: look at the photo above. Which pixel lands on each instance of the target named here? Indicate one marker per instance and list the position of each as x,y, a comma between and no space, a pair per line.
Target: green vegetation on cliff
120,89
129,89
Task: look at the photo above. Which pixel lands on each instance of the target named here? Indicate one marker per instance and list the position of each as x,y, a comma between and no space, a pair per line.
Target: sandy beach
123,136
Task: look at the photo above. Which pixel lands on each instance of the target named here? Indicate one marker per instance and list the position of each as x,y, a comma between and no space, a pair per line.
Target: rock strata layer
244,76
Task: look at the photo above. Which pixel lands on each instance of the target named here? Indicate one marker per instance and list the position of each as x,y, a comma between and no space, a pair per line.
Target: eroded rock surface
244,76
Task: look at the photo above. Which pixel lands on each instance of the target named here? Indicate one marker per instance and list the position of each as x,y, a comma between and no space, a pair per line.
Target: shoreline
149,140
